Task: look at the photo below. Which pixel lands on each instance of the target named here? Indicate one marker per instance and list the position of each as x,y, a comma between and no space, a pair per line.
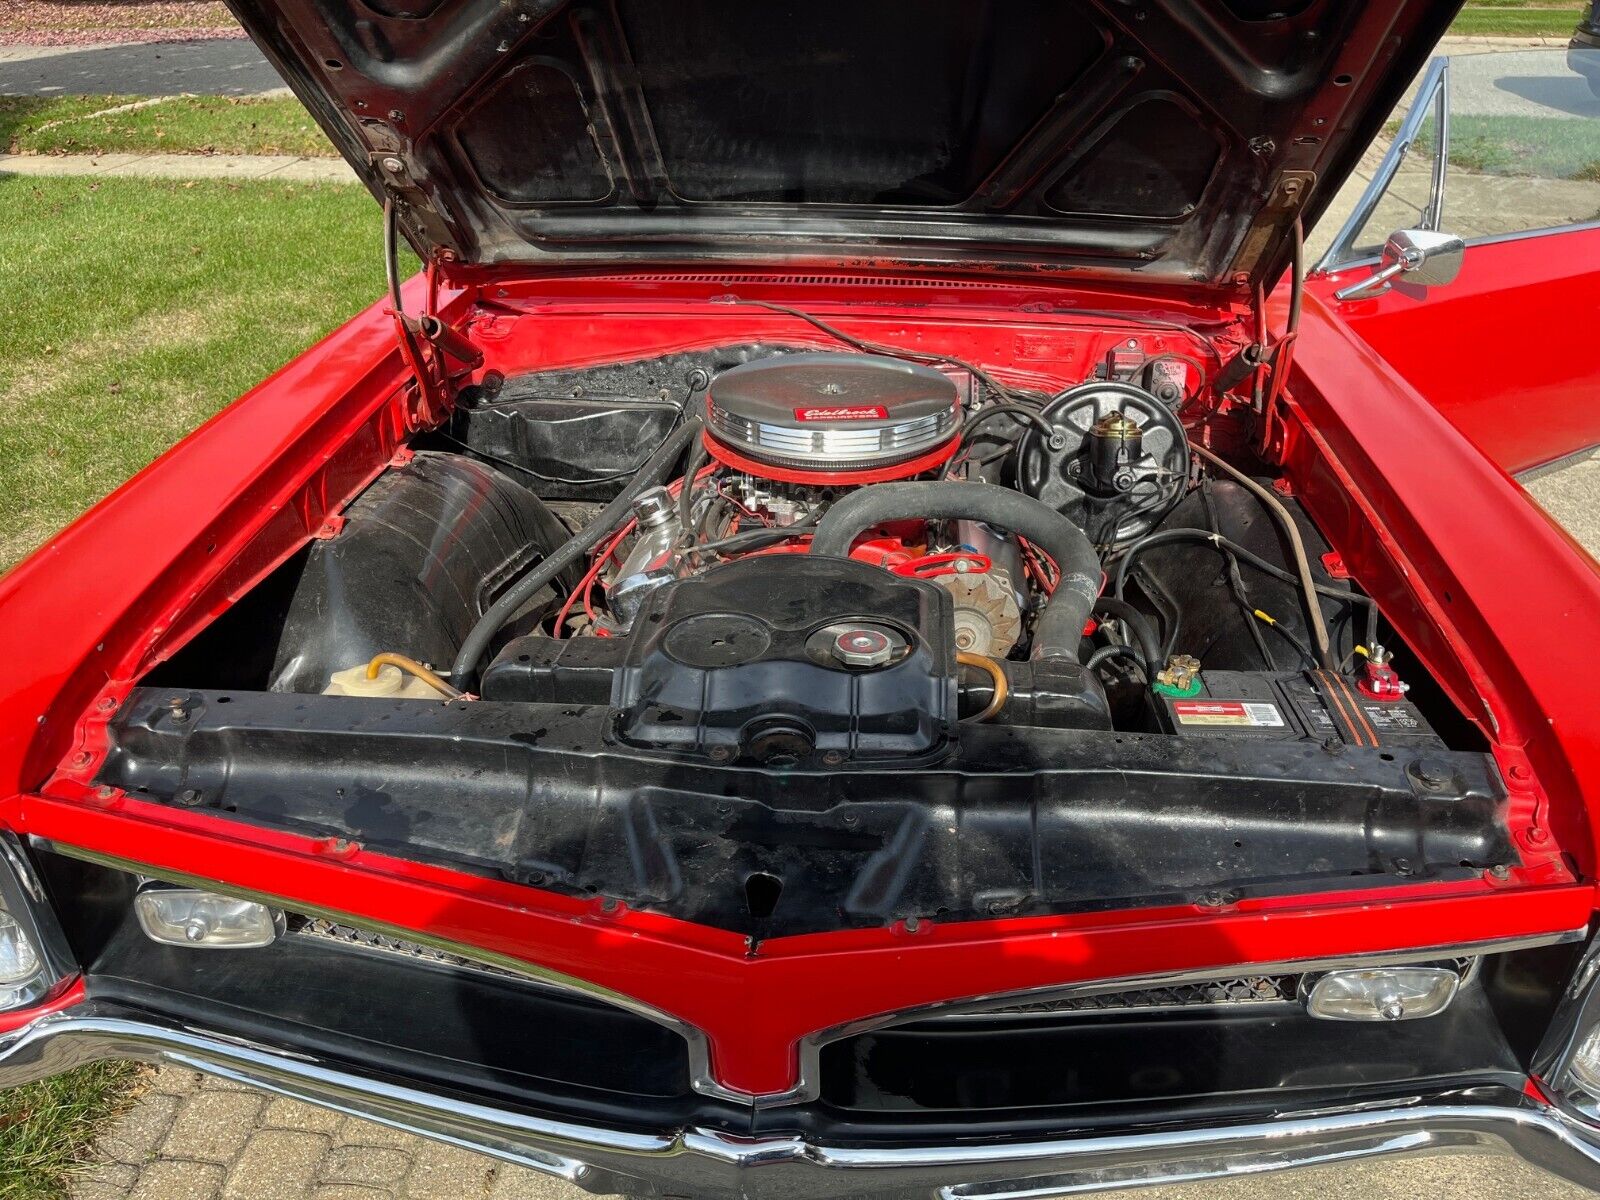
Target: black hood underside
1174,138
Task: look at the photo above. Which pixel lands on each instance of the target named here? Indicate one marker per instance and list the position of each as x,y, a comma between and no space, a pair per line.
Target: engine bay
717,598
783,639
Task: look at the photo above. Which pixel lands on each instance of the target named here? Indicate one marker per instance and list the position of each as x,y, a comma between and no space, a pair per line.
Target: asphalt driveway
214,67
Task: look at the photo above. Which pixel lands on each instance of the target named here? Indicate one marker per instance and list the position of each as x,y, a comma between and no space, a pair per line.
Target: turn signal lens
19,961
1382,994
185,917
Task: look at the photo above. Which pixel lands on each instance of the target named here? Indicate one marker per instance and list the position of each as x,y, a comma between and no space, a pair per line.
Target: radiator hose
1061,622
655,471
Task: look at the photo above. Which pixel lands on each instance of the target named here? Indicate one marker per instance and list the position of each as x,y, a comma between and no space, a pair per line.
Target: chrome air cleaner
832,418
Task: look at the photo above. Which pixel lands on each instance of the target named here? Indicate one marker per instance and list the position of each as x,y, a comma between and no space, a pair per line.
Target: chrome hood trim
714,1166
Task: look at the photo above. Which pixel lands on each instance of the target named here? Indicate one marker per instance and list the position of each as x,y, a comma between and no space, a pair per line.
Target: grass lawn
1526,146
46,1128
138,308
1522,147
1518,18
135,310
173,125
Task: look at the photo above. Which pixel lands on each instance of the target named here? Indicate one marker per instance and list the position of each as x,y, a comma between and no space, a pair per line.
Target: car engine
847,556
725,631
888,636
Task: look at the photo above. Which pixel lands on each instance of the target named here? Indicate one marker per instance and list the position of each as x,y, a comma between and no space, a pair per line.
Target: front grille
1243,989
1231,991
1237,991
323,930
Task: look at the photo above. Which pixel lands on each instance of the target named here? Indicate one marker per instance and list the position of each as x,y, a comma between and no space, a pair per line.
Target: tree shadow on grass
18,114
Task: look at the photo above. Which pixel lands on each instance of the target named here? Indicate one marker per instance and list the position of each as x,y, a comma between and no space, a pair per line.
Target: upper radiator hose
1062,620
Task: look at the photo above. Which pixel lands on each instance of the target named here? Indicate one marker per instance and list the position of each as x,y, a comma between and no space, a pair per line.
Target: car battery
1316,705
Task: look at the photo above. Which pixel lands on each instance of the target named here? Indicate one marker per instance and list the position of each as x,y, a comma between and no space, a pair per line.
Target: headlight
1585,1065
34,956
19,958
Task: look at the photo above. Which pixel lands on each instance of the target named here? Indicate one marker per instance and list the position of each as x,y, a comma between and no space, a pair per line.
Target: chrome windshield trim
713,1165
1433,91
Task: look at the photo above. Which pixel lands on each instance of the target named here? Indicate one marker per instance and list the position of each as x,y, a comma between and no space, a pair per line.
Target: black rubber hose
1022,415
1171,612
1106,653
656,470
756,539
1138,628
1162,537
697,459
1061,621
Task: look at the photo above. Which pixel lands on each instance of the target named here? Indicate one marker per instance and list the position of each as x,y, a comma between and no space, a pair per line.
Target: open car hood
1173,138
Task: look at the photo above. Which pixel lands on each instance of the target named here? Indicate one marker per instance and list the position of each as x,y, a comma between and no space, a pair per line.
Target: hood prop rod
432,376
1282,350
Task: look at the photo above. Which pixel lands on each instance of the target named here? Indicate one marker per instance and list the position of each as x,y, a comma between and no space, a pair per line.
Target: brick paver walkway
193,1137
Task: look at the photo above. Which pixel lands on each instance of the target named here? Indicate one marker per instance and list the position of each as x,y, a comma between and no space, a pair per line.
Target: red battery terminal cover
1379,680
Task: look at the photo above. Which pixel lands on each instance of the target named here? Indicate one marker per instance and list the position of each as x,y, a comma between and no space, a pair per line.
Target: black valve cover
744,663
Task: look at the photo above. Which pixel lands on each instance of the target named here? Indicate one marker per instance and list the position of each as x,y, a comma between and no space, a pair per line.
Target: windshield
1522,142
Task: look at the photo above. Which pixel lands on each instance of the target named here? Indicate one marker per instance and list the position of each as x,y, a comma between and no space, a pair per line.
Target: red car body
1416,522
1397,426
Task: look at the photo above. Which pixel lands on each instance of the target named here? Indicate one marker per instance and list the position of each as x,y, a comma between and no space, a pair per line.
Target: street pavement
214,67
1520,83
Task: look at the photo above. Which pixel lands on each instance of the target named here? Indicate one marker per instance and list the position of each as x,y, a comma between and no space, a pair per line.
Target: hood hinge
1285,202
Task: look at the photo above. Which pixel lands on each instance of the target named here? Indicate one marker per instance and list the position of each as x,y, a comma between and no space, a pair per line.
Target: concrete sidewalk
277,168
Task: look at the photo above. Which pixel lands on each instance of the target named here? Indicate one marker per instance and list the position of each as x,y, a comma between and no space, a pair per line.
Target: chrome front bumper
710,1165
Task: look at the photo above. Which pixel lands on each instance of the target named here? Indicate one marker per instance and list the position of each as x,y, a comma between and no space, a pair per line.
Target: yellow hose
412,667
996,672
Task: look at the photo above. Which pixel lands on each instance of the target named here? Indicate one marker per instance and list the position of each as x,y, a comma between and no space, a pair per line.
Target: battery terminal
1179,678
1379,680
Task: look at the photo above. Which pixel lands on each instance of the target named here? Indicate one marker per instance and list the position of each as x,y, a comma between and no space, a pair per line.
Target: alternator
988,621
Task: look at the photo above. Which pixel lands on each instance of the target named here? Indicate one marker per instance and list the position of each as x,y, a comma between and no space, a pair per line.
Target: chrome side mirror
1421,255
